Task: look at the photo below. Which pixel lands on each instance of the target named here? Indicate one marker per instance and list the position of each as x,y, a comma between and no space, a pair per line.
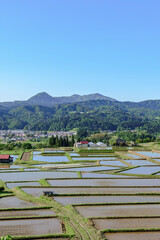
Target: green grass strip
44,182
130,230
69,157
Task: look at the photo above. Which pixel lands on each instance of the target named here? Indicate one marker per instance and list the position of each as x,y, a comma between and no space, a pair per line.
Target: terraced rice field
133,235
30,227
92,196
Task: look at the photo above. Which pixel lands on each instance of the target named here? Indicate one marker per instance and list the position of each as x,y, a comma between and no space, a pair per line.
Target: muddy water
105,182
103,175
30,227
127,223
39,191
6,166
133,236
12,185
38,212
120,210
35,176
13,202
105,199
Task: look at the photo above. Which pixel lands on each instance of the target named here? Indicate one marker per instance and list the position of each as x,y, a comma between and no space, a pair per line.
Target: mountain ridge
45,99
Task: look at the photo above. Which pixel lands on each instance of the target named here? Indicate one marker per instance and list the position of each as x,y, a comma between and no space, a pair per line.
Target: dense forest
93,115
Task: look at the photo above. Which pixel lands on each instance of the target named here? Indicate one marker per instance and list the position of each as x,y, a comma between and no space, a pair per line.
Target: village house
5,158
81,144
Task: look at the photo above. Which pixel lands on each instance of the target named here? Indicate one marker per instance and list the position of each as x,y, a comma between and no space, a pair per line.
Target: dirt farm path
26,156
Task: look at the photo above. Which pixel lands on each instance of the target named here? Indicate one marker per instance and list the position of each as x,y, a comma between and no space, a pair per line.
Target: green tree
27,146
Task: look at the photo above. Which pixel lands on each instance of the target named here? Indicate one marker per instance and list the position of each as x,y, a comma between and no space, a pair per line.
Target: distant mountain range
44,99
93,112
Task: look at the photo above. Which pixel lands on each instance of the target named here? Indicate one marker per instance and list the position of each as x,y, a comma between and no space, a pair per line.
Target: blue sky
65,47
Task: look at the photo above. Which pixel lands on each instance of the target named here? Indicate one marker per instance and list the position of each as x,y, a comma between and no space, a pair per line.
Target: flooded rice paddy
133,235
35,176
18,184
90,190
27,212
106,182
96,186
149,154
89,169
102,175
30,227
143,170
65,200
133,156
13,202
136,210
113,163
132,223
86,159
139,162
50,158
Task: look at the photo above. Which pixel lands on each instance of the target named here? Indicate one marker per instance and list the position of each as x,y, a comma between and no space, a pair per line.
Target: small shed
101,144
91,144
5,158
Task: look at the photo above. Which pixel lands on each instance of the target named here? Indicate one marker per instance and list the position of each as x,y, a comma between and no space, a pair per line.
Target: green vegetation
89,116
6,238
69,157
44,182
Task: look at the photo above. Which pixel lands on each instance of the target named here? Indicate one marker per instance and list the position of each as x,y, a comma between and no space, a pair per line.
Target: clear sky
65,47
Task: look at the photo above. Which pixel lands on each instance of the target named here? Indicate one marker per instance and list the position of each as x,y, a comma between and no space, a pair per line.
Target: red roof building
84,142
2,156
5,158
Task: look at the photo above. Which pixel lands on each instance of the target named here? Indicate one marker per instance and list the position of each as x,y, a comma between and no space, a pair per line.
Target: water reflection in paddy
113,163
36,152
14,157
13,202
88,190
65,200
105,182
17,184
103,175
143,170
119,210
35,176
89,169
139,162
74,154
150,154
93,158
133,156
50,158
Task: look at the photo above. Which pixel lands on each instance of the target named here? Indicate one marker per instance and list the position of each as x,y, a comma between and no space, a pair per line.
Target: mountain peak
42,98
45,99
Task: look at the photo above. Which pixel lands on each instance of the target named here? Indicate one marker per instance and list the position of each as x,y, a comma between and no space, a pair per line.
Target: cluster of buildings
85,144
25,135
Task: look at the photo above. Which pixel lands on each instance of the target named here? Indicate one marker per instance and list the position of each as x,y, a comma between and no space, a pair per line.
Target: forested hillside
92,115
